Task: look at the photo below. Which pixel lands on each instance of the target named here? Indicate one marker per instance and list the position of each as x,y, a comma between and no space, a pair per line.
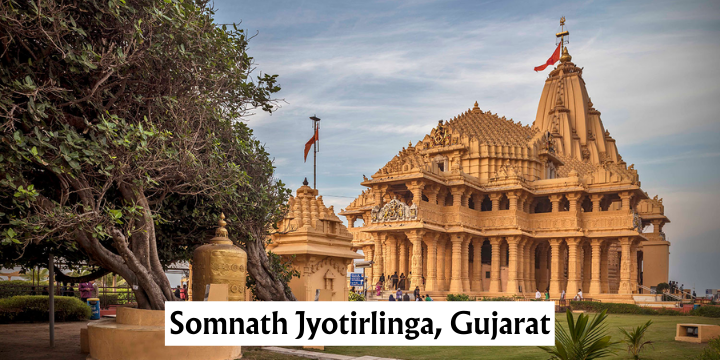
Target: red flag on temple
310,142
552,60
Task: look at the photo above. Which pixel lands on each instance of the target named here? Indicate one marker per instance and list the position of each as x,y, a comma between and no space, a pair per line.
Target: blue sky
382,73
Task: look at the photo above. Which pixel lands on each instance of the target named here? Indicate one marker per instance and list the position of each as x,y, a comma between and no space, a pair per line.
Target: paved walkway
319,355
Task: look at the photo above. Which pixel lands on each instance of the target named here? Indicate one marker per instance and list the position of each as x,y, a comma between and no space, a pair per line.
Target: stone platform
140,335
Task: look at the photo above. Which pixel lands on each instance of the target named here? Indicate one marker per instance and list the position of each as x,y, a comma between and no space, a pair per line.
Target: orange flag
552,60
310,143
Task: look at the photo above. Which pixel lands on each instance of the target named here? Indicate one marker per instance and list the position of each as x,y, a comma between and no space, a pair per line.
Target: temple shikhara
485,206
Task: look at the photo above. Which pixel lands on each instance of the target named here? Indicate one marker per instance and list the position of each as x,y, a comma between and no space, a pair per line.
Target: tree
121,140
585,339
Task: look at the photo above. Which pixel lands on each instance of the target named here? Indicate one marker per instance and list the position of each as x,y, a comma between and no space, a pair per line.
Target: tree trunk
267,286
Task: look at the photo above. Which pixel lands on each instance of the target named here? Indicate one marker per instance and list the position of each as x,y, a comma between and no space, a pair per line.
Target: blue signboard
356,279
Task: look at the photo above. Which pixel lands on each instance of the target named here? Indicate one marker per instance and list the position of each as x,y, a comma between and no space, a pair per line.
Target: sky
382,73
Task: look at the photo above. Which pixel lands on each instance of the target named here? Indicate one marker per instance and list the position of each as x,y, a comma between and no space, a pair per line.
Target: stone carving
395,210
441,136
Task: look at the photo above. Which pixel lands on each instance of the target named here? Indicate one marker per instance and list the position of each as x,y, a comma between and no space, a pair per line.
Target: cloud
382,73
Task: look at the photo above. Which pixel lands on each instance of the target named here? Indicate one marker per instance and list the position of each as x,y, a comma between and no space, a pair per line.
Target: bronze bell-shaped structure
219,262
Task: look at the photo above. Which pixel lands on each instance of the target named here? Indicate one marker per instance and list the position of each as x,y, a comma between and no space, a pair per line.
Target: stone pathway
318,355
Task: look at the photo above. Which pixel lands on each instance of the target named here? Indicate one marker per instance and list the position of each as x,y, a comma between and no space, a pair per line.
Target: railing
108,295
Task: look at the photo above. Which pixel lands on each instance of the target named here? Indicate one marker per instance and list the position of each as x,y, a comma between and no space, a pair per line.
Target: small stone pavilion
485,206
321,245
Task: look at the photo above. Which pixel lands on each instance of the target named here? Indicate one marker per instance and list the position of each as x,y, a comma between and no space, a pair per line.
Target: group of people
181,292
399,296
538,295
394,282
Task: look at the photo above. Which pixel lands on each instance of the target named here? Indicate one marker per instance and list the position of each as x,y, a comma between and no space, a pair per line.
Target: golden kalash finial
565,56
562,21
221,233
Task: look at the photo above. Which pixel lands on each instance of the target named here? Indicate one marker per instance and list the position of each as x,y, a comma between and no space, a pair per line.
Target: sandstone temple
485,206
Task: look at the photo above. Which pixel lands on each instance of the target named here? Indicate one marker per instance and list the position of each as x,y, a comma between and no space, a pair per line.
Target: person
177,292
45,290
382,279
398,295
63,290
401,284
579,296
418,298
562,295
86,290
391,298
694,295
538,295
416,293
547,294
406,297
94,289
183,293
395,281
71,290
378,288
33,291
428,298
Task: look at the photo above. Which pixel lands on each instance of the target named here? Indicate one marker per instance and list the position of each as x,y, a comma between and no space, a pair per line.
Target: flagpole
315,120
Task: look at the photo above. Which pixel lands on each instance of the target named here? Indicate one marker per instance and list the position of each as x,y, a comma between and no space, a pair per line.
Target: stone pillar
625,265
520,277
416,187
477,265
415,237
403,257
573,283
432,193
512,282
369,274
625,196
440,267
456,280
513,198
465,276
495,265
634,267
431,280
378,268
457,193
448,262
596,198
555,200
495,198
555,267
533,270
393,261
604,268
573,198
595,283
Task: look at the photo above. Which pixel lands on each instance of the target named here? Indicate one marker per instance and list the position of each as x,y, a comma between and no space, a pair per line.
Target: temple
318,244
485,206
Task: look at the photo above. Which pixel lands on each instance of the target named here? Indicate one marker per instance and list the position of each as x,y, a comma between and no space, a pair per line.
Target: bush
612,308
458,297
707,311
108,299
355,297
17,287
712,352
499,298
34,308
661,287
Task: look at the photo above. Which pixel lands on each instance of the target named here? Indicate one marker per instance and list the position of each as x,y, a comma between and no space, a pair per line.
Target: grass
661,333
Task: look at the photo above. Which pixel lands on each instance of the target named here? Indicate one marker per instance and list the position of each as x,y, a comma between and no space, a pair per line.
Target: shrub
712,351
707,311
612,308
499,298
355,297
458,297
585,338
17,287
108,299
34,308
661,287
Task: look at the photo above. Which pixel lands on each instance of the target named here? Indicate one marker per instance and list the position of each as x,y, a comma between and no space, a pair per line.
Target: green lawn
661,332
